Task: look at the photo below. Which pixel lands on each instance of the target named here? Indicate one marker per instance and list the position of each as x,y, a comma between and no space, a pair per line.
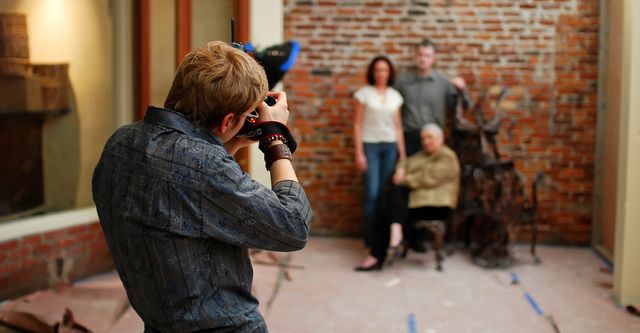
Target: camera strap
266,129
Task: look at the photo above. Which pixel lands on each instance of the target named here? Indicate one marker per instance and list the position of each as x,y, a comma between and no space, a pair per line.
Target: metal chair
438,228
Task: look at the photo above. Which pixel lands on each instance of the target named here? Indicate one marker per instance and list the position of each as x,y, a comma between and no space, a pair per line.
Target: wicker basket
14,41
54,79
14,44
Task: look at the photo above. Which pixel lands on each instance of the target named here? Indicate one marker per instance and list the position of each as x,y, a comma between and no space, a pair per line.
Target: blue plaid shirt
179,216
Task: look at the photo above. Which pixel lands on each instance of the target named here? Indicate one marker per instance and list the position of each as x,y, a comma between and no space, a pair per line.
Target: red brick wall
545,51
43,260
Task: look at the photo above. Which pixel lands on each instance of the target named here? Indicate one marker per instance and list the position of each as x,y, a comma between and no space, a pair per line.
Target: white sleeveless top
379,113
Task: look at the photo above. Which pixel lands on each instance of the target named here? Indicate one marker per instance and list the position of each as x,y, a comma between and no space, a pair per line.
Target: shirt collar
177,121
429,77
415,78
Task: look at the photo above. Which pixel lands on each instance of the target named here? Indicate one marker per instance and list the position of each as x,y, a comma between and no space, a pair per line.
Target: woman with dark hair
379,143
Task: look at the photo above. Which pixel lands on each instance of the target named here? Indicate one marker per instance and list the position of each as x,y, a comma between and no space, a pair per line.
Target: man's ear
225,124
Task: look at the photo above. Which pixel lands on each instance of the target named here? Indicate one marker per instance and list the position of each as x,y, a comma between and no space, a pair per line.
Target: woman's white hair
433,128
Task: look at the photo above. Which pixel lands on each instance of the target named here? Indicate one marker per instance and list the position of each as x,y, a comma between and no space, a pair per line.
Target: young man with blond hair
177,211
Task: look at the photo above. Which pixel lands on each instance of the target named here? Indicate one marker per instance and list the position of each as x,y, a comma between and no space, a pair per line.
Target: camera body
253,117
276,61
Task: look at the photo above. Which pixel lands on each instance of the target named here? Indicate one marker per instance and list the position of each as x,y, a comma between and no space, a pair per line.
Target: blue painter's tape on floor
411,323
533,303
514,278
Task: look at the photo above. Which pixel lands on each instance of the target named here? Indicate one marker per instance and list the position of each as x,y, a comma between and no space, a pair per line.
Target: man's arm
240,211
276,219
457,86
233,146
281,169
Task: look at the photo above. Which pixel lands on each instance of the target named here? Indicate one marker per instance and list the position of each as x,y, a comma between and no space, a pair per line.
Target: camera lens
270,101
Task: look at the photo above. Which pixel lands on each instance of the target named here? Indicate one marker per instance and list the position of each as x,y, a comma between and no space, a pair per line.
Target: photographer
178,213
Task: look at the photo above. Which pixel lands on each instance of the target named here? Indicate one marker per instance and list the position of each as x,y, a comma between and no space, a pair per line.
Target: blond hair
216,80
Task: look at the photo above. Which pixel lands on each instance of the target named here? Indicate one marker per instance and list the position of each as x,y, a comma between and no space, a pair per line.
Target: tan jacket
434,179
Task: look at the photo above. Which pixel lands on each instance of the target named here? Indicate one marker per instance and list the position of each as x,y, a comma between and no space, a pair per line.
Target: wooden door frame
142,57
183,29
183,46
242,29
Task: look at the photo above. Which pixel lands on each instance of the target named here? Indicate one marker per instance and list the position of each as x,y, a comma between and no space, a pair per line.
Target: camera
253,118
276,60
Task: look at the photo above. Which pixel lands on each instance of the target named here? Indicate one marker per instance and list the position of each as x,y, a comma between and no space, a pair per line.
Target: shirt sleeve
243,212
361,95
397,98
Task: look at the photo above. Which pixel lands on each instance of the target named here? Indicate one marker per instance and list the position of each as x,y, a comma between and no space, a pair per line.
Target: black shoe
375,267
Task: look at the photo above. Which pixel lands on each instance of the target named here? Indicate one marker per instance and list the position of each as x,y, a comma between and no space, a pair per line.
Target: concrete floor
326,295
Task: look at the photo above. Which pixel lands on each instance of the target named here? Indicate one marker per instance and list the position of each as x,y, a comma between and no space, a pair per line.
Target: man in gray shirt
428,95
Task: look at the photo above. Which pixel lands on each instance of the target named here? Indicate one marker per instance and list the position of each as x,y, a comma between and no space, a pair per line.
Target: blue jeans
381,161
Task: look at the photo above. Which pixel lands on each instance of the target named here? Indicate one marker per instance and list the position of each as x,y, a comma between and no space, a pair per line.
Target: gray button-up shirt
179,216
426,99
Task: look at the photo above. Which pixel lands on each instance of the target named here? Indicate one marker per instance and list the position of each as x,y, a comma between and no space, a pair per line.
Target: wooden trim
183,29
242,21
242,35
144,56
125,61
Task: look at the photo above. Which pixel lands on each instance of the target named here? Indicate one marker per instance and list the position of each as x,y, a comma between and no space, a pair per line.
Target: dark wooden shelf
34,113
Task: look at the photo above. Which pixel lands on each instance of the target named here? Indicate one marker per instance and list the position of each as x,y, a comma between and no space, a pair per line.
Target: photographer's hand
278,112
234,144
281,169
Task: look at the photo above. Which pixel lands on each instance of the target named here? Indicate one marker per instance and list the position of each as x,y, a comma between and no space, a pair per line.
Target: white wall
210,20
163,49
123,71
627,251
267,28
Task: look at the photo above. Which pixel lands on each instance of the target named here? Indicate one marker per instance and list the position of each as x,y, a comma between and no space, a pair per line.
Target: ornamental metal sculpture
493,204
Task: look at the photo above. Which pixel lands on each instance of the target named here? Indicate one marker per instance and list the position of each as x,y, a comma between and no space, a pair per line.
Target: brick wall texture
45,260
544,51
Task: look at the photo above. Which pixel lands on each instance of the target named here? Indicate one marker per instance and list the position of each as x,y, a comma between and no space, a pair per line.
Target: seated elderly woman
432,177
